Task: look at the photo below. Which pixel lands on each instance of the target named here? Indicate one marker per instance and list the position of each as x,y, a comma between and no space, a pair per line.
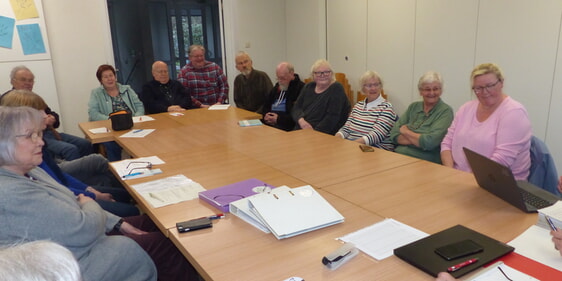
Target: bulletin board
24,41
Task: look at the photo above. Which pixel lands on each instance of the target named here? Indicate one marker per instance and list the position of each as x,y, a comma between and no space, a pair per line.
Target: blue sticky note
6,31
31,39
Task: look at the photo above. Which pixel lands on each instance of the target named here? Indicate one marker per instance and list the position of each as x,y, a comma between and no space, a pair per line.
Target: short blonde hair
322,62
24,98
486,68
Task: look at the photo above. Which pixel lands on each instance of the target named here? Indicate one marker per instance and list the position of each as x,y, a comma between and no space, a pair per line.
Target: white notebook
295,211
241,209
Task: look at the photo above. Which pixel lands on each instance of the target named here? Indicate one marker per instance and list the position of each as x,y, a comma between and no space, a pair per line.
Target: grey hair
38,261
12,119
369,75
195,47
288,66
430,77
16,69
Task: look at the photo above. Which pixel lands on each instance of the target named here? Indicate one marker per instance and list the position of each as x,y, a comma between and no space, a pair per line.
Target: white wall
258,28
305,34
80,41
405,38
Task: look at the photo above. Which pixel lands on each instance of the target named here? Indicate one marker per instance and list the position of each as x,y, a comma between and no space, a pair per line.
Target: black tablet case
421,253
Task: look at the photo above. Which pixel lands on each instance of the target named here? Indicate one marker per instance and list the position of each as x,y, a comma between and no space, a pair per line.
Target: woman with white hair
372,118
420,130
322,104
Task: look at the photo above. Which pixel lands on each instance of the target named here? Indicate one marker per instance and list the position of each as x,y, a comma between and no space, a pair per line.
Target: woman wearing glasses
371,119
494,125
420,130
322,104
36,207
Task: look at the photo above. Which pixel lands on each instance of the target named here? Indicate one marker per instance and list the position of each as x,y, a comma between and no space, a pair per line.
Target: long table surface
366,187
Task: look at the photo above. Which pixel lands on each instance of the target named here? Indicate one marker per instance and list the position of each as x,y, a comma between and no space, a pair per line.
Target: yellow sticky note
24,9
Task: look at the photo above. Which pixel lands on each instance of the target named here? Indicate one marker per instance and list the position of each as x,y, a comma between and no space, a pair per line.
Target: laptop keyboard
534,200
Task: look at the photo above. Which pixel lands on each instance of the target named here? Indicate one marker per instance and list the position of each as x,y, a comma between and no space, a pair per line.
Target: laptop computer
499,180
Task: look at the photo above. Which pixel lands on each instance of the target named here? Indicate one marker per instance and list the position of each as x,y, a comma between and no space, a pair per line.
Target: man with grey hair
280,100
63,146
205,79
164,94
251,85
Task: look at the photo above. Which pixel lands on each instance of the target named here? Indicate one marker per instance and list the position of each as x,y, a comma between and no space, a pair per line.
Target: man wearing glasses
63,146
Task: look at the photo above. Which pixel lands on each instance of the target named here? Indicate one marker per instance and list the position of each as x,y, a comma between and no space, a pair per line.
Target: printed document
380,239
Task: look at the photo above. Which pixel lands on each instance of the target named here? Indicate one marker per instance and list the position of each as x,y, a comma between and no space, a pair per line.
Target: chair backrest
340,77
361,96
543,171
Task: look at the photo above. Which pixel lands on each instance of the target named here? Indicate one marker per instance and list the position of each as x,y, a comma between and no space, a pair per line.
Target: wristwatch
117,226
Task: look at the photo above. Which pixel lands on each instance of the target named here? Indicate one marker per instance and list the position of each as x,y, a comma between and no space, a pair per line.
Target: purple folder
221,197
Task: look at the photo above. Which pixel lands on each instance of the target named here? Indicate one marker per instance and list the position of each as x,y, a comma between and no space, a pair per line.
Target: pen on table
132,175
551,224
461,265
137,131
214,217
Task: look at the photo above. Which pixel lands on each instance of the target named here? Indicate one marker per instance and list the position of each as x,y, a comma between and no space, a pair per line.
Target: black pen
550,223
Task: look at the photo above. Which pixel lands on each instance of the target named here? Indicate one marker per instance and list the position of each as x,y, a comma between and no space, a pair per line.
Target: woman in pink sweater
494,125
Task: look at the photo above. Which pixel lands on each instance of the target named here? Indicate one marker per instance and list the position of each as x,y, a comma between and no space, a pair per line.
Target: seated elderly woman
493,125
371,119
115,200
322,104
36,207
111,97
420,130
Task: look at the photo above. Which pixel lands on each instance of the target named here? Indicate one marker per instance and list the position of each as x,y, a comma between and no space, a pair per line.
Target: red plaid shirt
208,84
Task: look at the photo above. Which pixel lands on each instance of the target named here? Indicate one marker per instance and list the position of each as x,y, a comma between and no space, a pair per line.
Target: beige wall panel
347,38
305,33
444,42
523,40
390,47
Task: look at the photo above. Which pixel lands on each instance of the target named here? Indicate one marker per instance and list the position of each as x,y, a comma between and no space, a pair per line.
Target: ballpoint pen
215,217
461,265
137,131
132,175
551,224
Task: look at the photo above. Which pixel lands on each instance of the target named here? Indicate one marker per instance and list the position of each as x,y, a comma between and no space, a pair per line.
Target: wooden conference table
210,148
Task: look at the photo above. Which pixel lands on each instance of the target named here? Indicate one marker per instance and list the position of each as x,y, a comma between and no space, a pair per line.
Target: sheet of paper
169,190
493,273
100,130
135,165
535,243
139,133
380,239
144,118
554,212
219,106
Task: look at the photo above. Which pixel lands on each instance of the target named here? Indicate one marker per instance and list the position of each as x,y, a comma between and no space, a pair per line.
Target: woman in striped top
371,119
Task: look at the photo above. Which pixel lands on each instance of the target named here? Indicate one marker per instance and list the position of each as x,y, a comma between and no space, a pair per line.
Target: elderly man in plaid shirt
205,79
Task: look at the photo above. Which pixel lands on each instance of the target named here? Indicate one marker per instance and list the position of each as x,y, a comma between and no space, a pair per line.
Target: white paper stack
241,209
294,211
